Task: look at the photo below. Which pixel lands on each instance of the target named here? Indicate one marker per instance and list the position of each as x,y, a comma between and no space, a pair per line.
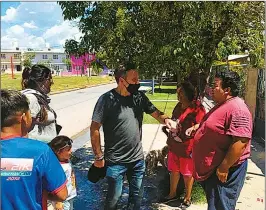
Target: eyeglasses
68,144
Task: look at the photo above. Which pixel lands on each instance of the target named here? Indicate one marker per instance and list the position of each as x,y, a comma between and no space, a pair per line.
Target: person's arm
58,196
54,178
241,131
162,118
159,116
97,121
96,144
200,115
234,153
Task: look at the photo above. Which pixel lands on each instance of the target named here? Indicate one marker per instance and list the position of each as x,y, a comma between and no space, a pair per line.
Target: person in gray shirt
120,112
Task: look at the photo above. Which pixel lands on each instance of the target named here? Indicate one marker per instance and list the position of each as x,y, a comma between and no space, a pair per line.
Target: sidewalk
251,197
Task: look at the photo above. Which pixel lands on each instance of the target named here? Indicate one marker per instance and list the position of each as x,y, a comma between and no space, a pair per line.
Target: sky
35,25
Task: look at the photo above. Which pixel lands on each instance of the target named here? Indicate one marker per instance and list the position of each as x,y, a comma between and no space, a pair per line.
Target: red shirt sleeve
240,124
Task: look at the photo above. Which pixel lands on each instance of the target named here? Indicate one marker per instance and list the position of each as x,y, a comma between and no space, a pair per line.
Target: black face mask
132,88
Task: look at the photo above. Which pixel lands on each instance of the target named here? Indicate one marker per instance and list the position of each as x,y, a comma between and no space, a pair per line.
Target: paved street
74,109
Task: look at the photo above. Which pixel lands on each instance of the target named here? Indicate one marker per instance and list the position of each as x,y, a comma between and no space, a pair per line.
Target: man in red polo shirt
222,144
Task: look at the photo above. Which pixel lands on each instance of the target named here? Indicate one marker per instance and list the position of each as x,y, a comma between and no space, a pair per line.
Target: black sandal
166,199
185,204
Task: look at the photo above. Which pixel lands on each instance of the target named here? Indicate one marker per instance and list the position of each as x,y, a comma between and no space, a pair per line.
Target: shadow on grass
162,90
92,196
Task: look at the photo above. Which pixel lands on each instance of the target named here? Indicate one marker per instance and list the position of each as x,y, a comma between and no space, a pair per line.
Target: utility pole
12,67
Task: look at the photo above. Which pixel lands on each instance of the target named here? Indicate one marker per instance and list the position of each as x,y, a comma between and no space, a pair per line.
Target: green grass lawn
60,83
160,105
198,194
165,93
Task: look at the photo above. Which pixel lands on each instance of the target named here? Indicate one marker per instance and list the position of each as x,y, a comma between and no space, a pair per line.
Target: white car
110,72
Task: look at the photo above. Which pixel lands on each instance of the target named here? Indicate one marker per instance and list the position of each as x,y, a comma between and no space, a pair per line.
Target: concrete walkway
253,192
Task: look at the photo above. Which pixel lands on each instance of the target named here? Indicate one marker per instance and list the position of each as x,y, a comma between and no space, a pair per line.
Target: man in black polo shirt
120,112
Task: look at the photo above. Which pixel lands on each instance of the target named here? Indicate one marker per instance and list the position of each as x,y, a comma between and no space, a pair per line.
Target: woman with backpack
36,85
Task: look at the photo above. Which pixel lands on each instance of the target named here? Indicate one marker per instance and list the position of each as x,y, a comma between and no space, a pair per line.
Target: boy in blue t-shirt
29,168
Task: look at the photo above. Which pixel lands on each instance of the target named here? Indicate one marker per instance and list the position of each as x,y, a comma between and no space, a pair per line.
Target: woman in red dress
188,113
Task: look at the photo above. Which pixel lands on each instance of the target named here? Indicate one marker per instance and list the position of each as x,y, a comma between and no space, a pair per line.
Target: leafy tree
173,37
45,63
27,59
67,61
96,67
72,47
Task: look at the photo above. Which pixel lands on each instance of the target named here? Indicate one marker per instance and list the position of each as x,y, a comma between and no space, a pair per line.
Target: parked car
110,72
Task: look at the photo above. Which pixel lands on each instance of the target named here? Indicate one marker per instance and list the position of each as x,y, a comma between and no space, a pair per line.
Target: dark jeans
223,196
115,176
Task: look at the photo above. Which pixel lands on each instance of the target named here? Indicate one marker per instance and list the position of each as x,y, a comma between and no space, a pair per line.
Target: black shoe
166,199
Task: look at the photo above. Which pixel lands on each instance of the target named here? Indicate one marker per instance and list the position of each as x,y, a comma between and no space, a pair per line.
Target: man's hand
99,163
59,206
222,173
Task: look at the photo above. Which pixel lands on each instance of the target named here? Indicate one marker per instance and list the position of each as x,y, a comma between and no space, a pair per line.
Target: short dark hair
12,102
59,142
120,72
34,74
189,90
199,81
122,69
230,79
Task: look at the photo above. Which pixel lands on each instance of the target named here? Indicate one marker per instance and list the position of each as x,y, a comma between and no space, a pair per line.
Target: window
44,57
67,57
3,56
56,67
55,57
4,67
16,56
77,67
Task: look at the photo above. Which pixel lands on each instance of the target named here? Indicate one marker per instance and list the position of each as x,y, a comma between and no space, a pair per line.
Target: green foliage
27,59
246,34
96,67
233,66
72,47
67,61
45,63
175,37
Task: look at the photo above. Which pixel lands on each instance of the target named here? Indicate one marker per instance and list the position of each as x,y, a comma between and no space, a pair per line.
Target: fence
260,106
